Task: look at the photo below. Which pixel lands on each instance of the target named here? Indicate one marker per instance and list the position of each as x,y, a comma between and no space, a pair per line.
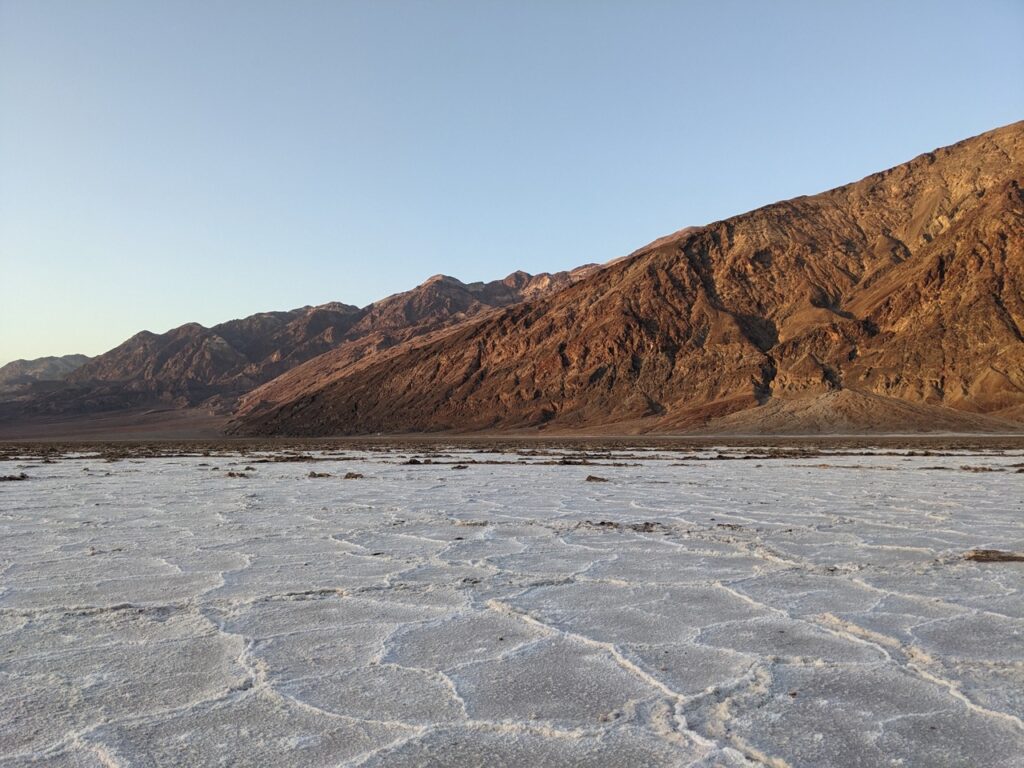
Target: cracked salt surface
690,612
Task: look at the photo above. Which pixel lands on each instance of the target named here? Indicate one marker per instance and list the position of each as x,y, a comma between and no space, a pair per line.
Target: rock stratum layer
893,303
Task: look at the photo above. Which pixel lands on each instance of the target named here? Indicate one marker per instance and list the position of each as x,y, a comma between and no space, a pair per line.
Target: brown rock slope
438,304
894,303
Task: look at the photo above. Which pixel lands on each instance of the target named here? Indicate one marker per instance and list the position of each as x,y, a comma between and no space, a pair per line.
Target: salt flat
720,607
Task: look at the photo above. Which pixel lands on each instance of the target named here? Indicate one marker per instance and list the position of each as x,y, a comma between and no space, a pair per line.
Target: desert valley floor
512,606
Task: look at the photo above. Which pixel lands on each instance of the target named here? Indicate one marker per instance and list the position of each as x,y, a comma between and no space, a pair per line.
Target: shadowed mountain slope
896,302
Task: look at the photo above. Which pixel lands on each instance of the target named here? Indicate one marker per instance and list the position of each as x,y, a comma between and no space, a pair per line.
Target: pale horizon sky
168,162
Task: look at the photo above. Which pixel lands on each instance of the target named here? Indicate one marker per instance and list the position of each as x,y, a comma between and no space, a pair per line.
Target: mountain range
895,303
210,368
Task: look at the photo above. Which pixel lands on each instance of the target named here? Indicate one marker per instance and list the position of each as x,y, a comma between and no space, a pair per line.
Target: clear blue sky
164,162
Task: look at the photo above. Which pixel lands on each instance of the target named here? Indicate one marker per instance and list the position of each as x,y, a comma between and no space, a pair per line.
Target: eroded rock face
891,303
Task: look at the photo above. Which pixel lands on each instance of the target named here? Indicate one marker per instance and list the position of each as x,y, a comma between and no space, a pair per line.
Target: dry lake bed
401,606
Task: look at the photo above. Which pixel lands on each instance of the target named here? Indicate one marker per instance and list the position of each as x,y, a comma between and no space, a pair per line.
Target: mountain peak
439,278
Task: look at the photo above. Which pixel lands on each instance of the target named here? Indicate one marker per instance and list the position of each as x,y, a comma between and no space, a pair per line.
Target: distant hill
894,303
19,374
